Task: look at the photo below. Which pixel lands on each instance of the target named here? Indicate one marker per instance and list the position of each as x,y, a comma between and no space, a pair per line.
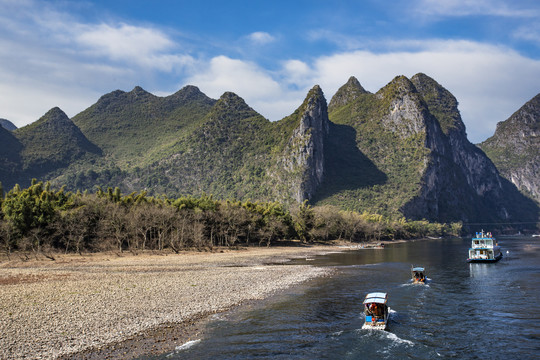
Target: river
466,311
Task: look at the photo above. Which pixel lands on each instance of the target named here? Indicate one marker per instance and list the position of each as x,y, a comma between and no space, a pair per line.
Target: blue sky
69,53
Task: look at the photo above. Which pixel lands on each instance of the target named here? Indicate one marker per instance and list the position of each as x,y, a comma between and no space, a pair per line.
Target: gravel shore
51,309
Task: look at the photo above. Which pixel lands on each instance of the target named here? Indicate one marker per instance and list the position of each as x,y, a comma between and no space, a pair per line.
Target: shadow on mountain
525,211
347,168
10,157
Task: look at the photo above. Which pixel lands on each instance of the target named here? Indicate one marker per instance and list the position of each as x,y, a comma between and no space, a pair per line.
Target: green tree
303,221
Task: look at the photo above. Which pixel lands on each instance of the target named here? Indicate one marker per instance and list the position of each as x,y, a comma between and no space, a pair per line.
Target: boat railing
482,243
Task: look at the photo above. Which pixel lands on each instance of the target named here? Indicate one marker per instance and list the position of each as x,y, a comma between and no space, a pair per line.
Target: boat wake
396,339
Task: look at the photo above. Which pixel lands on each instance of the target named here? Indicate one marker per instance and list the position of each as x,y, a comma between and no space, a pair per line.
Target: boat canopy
378,297
420,269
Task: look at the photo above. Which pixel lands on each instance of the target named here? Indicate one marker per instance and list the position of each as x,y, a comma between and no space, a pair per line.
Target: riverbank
63,308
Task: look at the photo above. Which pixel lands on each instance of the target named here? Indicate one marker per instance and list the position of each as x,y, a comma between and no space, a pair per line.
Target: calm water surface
466,311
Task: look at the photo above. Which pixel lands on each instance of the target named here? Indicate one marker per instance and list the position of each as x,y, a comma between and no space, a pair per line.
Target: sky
69,53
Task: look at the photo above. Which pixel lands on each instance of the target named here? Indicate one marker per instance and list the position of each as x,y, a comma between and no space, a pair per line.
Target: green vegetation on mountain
135,128
441,103
385,166
514,148
53,141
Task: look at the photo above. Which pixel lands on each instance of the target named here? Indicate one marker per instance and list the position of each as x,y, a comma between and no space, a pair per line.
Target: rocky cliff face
515,148
303,157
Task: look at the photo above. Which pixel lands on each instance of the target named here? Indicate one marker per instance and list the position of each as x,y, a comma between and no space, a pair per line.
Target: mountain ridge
401,151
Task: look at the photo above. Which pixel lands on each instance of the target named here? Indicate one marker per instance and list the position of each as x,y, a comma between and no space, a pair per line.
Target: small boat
484,248
418,275
376,311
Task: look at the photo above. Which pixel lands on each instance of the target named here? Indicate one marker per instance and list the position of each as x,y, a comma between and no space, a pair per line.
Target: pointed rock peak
189,92
55,114
315,96
314,110
353,83
139,91
316,91
425,84
398,87
421,77
231,98
525,120
441,103
347,93
232,103
403,82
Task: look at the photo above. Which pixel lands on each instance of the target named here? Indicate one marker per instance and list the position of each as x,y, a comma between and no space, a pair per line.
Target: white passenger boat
376,311
484,248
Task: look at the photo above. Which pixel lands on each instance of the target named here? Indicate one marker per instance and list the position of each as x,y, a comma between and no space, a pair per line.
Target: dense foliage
39,219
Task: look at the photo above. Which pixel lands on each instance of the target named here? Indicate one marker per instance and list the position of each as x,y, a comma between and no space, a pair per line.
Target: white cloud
261,38
48,58
146,47
255,85
529,32
476,7
489,82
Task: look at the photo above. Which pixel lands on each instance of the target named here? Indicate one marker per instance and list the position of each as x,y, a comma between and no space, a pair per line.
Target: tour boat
376,311
418,275
484,248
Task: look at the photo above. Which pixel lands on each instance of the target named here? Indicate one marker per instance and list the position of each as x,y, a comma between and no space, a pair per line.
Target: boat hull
497,258
377,326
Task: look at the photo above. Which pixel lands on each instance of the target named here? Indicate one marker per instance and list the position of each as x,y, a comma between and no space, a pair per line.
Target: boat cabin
376,311
418,275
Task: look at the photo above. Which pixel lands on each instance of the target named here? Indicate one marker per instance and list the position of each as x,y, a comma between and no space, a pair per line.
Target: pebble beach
75,305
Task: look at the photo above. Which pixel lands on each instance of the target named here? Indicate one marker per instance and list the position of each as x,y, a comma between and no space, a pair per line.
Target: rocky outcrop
303,158
466,177
514,148
8,125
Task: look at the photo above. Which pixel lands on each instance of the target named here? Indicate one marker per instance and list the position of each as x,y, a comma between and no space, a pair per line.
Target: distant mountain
8,125
134,128
47,145
411,138
515,148
10,158
237,153
402,151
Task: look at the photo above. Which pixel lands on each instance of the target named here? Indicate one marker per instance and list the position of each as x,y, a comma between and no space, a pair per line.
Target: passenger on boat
368,310
375,310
